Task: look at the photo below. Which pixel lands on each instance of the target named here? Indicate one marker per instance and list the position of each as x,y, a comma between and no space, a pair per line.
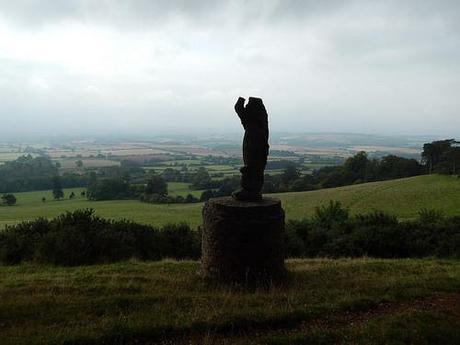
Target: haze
79,66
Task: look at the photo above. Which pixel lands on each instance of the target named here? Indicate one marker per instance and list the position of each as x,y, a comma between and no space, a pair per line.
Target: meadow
359,301
401,197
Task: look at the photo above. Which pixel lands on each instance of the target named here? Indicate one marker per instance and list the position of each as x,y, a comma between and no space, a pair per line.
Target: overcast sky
143,65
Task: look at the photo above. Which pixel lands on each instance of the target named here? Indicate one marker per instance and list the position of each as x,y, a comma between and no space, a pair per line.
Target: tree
9,199
437,155
156,185
43,199
303,183
111,188
391,167
356,167
202,180
72,195
454,155
171,175
58,193
79,164
190,198
290,174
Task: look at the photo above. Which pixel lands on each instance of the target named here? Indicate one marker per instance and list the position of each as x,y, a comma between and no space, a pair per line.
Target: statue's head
255,100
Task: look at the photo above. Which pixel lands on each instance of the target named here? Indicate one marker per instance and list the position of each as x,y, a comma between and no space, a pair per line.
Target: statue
254,119
243,235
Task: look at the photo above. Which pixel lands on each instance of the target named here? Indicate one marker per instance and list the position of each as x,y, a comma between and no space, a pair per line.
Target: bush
332,233
332,213
8,199
81,238
429,216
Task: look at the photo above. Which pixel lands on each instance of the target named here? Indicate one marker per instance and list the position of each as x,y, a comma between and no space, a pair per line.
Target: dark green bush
332,232
81,238
332,213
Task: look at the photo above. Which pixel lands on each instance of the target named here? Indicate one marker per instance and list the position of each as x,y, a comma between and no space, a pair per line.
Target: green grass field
182,189
359,301
403,197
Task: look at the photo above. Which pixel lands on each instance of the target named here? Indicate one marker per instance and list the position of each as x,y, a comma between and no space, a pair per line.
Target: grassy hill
360,301
402,197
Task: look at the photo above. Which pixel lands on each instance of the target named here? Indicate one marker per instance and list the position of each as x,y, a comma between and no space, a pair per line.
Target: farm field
70,163
346,301
402,197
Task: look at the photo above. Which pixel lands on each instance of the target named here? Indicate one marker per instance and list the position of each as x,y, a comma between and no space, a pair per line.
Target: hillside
360,301
402,197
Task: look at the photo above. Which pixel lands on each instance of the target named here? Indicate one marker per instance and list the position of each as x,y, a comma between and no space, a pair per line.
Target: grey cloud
321,65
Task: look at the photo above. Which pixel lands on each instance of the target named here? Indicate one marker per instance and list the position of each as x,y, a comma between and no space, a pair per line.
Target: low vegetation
80,237
332,232
359,301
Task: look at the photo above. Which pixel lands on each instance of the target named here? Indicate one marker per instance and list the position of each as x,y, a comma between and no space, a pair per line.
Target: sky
147,66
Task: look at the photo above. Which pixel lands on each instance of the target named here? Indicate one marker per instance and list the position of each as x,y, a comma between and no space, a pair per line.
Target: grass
182,188
142,302
30,206
402,197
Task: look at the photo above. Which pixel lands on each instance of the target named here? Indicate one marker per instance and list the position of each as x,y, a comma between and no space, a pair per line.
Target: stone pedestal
243,242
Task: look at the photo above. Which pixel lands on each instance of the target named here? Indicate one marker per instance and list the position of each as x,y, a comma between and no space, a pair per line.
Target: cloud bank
120,66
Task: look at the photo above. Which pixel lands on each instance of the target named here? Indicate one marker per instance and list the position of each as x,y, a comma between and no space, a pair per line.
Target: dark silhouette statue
254,119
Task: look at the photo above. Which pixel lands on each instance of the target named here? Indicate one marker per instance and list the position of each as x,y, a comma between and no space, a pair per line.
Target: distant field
87,163
182,188
11,156
402,197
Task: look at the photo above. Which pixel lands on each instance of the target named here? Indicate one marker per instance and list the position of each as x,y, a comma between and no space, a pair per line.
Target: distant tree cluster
360,169
442,157
27,173
156,191
8,199
109,188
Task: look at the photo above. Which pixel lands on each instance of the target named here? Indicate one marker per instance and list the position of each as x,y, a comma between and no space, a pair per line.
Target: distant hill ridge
402,197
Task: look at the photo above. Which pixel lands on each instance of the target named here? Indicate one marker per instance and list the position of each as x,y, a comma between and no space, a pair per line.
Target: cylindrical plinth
243,241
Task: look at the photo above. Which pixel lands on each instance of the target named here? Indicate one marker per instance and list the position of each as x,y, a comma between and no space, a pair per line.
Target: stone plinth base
243,241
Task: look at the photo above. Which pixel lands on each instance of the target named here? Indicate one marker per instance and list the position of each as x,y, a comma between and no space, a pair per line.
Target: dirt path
442,302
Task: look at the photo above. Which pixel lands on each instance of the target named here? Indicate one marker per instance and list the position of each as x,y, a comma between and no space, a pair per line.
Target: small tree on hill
58,193
156,185
9,199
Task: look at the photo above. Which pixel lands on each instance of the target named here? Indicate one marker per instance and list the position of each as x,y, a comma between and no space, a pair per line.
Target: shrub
430,216
82,238
327,215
